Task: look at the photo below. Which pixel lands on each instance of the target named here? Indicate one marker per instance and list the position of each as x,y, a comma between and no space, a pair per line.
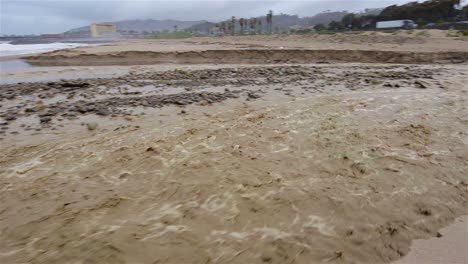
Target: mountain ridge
148,25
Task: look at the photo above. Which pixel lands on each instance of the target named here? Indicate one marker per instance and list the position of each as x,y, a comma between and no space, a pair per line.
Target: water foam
7,49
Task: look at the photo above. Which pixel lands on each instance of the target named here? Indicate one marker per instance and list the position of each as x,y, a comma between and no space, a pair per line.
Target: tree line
252,25
431,11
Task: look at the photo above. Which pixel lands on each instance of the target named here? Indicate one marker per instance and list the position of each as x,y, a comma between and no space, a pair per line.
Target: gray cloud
52,16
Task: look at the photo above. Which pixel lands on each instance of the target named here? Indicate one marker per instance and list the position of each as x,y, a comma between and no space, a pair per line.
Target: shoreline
449,248
16,57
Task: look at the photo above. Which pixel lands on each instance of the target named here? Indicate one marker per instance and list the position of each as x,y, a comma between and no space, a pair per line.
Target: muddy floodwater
318,163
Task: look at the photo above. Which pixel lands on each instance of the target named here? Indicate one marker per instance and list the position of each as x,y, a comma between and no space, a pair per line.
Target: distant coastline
13,50
23,40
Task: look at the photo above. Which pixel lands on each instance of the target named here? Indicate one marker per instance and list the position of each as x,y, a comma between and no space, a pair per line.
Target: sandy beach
448,247
258,149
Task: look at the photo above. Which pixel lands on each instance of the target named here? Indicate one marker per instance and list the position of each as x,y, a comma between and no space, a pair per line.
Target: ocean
7,49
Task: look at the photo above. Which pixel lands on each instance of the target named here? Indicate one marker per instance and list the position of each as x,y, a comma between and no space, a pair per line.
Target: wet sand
450,248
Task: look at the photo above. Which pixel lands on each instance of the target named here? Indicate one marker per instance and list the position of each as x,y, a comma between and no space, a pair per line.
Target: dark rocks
421,84
392,85
78,85
47,114
117,97
90,108
92,126
124,175
30,110
252,95
81,108
102,112
9,117
45,119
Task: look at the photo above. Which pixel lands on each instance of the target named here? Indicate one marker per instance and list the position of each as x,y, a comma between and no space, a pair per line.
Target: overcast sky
53,16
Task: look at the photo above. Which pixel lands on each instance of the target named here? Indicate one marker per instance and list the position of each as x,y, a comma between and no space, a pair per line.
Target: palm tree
269,18
253,24
260,26
221,26
241,23
229,27
175,28
233,25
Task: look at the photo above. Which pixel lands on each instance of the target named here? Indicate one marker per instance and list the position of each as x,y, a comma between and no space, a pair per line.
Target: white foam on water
264,232
321,225
7,49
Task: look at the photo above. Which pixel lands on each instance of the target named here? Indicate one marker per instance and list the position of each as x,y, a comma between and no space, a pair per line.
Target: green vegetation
304,31
232,25
423,33
320,27
253,25
336,26
242,24
250,26
326,32
452,34
172,35
269,20
430,11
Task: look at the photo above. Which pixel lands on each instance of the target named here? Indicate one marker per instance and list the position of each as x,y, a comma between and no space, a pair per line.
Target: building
103,29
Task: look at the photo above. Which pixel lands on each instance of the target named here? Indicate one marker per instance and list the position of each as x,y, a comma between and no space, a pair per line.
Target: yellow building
103,29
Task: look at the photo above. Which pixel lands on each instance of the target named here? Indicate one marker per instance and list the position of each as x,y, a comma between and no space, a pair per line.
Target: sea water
7,49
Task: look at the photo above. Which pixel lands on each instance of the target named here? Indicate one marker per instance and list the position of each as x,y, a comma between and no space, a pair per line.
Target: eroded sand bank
428,46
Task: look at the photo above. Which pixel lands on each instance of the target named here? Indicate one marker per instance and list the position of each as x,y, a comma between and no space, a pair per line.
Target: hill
430,11
422,13
202,27
148,25
323,18
281,22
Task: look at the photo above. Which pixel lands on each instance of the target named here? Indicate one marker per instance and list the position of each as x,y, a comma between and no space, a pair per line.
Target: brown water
326,176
